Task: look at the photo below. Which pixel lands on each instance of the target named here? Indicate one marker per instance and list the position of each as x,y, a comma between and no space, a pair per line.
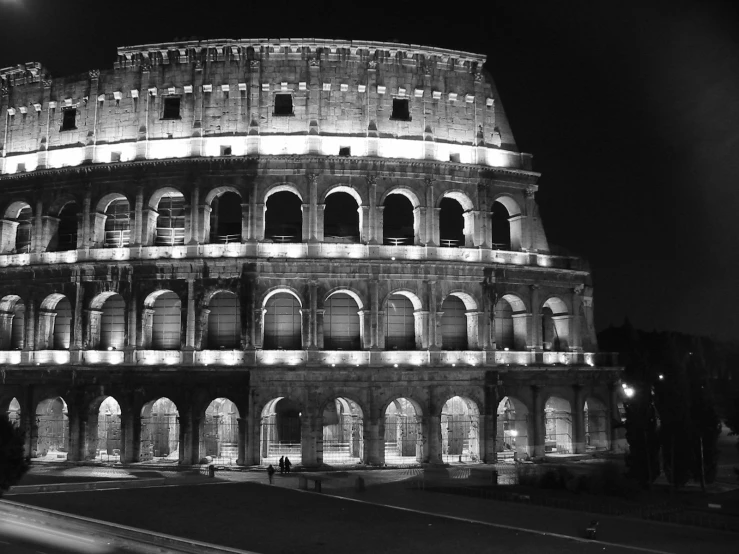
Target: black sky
631,110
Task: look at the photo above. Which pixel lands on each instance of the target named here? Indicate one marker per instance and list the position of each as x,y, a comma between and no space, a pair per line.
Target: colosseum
231,251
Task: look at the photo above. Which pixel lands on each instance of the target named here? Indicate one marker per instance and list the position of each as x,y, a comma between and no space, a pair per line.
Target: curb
88,486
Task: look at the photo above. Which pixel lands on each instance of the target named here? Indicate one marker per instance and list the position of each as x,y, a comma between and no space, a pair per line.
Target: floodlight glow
629,392
514,433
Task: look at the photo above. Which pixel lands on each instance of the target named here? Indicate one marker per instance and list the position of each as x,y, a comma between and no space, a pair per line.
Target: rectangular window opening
401,109
171,107
283,104
69,119
225,150
345,151
454,158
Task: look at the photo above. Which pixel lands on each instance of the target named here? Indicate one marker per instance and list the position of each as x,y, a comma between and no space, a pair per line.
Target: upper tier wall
342,96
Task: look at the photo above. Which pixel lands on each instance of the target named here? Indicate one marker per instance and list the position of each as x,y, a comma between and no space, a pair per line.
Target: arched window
224,321
225,218
12,328
504,334
165,331
62,324
118,224
400,328
112,323
171,220
397,222
23,233
282,323
283,220
451,223
341,218
501,227
453,324
341,323
554,325
66,236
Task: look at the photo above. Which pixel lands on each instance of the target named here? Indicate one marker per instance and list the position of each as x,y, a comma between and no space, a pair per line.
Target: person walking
282,464
288,463
270,473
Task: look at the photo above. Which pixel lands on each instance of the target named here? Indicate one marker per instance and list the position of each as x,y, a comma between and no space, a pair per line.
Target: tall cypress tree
13,463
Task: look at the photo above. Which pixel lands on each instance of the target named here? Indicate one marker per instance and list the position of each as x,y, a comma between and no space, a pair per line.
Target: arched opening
171,221
596,425
554,325
513,429
12,322
460,431
400,326
52,424
504,335
558,424
106,439
280,431
451,223
112,323
118,223
224,321
282,322
225,218
403,436
219,435
341,218
398,220
160,432
453,324
14,412
343,432
501,227
23,231
166,322
341,326
65,237
283,219
62,325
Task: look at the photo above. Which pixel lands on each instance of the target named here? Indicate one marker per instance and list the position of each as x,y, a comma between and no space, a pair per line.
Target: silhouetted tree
13,463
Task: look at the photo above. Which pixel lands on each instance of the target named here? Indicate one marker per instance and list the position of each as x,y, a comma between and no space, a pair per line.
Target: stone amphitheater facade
177,228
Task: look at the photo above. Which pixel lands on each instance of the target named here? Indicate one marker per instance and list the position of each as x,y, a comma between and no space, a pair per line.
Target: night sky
631,110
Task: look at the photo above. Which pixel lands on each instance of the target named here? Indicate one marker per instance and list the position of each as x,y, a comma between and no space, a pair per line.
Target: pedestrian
270,473
282,464
288,463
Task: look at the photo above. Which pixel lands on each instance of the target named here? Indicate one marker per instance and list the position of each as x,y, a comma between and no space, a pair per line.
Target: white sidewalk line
112,528
503,526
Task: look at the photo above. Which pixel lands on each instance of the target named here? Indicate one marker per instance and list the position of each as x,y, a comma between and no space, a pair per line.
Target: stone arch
17,228
156,196
60,231
281,430
220,191
339,223
558,425
282,187
342,421
106,323
515,422
160,431
60,202
460,430
596,421
221,320
282,323
458,195
51,437
14,209
103,441
106,200
161,320
55,323
454,324
351,191
456,219
403,325
113,230
220,439
403,437
288,224
408,192
555,324
13,409
510,319
410,295
12,322
345,290
343,325
507,227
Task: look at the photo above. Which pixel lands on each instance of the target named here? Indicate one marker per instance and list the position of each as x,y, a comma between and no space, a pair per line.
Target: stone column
45,335
380,344
77,331
191,315
245,222
318,337
130,435
434,339
84,237
365,329
320,216
305,328
36,236
372,213
29,339
241,445
475,325
189,438
311,439
149,218
258,328
429,215
536,445
78,420
194,224
364,219
374,439
578,420
313,211
523,332
421,318
380,224
201,333
313,316
516,223
147,326
138,222
92,338
432,424
613,415
419,224
374,310
489,433
259,214
469,228
535,339
8,229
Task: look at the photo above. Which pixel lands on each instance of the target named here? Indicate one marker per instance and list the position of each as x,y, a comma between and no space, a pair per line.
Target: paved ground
240,509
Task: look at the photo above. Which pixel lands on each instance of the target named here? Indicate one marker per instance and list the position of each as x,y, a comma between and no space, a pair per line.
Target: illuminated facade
329,250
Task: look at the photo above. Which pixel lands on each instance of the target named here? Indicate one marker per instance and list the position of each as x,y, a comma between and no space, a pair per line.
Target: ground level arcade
314,417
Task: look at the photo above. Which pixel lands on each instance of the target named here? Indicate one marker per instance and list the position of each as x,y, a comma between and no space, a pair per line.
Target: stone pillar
29,338
92,338
365,329
380,344
45,335
244,222
97,230
191,315
201,332
434,339
306,340
475,325
36,235
469,228
49,228
536,445
78,421
138,222
84,237
311,439
374,310
419,224
429,213
8,230
364,224
432,424
259,221
130,435
421,318
516,223
313,203
28,419
313,316
241,444
535,338
147,326
523,332
433,213
77,331
189,438
318,336
305,220
562,325
613,415
320,217
195,224
372,213
374,439
149,218
380,224
258,328
578,420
